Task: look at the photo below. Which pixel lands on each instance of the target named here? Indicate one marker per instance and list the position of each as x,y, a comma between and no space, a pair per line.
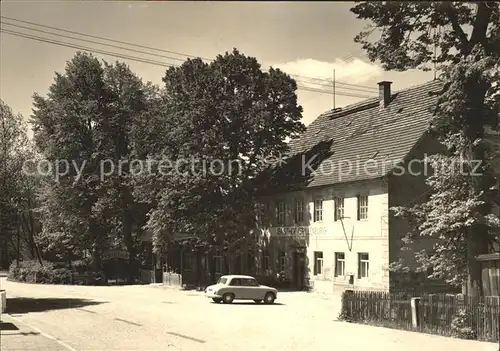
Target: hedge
33,271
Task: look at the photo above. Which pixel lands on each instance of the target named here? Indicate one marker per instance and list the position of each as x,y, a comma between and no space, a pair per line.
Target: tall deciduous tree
17,189
463,40
84,125
219,119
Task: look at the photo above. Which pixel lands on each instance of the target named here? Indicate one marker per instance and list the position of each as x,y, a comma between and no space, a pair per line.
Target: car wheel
258,301
217,299
269,298
228,298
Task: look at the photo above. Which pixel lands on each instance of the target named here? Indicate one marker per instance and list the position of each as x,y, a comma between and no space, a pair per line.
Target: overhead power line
93,42
79,47
344,85
142,60
101,38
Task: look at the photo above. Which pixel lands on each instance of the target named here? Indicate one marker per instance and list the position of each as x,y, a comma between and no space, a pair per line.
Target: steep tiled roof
364,131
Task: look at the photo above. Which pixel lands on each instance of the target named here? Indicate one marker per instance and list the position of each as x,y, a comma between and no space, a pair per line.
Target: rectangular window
339,264
250,262
299,211
282,260
318,262
362,207
187,262
218,261
339,208
281,215
265,260
218,264
318,210
363,265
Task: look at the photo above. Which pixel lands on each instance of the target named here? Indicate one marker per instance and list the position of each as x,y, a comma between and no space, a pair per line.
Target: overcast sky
303,38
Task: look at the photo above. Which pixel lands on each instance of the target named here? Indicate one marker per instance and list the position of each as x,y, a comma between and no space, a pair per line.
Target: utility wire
101,38
79,47
365,90
350,56
143,60
94,42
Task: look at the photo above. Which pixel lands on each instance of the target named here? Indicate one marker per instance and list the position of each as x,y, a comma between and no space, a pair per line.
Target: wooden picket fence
480,317
449,315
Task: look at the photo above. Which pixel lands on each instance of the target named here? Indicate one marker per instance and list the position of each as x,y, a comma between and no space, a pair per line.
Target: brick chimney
384,93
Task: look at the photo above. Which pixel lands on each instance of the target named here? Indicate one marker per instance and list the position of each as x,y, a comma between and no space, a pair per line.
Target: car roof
237,276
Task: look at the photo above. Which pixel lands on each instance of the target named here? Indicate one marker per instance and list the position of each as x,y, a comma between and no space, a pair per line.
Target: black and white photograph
249,175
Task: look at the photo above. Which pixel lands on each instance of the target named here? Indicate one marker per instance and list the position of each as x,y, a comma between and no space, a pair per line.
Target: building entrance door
299,268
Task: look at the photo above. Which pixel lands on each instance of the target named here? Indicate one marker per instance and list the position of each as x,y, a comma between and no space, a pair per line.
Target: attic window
400,110
348,123
374,155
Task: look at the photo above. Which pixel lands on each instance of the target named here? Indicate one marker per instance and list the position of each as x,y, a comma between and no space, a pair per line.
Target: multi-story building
330,221
332,228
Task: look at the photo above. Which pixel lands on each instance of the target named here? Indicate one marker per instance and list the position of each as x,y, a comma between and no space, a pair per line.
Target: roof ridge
373,99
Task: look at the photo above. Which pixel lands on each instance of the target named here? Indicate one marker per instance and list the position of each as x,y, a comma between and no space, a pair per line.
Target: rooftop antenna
333,81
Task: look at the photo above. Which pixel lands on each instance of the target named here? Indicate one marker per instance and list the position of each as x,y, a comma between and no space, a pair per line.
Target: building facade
329,225
338,217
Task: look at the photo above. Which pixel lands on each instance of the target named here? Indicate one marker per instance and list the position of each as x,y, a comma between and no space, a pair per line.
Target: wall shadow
296,172
20,305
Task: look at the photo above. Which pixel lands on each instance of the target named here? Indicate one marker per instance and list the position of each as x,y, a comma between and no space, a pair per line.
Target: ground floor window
339,264
188,261
282,263
266,260
250,262
218,262
363,265
318,262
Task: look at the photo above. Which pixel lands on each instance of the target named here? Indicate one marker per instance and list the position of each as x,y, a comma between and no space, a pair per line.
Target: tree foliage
463,40
84,126
17,189
219,120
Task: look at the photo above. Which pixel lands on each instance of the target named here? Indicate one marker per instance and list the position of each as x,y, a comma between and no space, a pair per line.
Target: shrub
82,266
32,271
461,325
344,314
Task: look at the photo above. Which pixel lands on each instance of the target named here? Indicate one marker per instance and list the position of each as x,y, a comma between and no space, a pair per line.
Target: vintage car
240,287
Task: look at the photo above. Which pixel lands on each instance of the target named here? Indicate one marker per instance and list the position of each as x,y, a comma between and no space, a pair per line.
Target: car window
222,281
235,282
249,282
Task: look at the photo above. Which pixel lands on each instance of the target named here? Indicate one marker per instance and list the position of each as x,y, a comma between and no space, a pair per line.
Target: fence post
415,301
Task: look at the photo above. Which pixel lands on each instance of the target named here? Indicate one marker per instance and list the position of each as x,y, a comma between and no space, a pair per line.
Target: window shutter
335,205
315,264
359,207
335,263
359,266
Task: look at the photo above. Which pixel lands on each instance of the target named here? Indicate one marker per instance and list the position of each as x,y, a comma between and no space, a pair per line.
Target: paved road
159,318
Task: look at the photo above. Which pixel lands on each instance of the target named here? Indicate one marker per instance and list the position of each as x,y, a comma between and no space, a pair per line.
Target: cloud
314,79
355,71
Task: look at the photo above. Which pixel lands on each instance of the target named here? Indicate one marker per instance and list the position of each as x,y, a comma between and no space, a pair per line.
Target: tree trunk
477,236
129,243
96,259
127,224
